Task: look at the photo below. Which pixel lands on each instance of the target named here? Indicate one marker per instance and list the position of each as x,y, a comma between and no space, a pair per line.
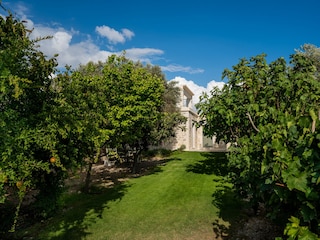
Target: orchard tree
81,118
171,118
26,99
270,113
143,105
135,98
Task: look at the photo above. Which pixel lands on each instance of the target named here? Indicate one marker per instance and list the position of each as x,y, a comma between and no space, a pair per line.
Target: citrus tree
80,119
135,98
142,104
270,113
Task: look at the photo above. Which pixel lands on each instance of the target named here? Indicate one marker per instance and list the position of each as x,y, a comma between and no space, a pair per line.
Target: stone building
189,137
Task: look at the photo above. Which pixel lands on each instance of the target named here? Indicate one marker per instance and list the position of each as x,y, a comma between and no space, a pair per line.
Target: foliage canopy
270,112
26,97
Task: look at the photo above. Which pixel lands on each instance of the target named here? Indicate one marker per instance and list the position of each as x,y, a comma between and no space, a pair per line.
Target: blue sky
193,41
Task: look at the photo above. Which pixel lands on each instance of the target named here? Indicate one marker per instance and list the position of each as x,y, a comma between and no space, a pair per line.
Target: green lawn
187,198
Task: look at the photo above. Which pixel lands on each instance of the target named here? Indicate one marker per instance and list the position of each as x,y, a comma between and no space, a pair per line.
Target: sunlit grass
176,202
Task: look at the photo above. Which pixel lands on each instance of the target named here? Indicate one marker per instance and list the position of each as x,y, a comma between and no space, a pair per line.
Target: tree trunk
136,161
88,177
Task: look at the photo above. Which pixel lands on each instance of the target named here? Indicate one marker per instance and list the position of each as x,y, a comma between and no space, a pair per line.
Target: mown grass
187,198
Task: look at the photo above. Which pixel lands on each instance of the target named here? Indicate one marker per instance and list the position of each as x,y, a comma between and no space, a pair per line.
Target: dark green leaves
270,113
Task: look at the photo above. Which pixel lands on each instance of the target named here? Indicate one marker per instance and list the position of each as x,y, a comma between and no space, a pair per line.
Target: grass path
179,201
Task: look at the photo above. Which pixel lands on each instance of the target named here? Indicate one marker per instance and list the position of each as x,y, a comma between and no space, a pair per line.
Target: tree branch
313,127
252,123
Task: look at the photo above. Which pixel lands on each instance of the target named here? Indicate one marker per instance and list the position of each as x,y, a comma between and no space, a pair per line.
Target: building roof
186,89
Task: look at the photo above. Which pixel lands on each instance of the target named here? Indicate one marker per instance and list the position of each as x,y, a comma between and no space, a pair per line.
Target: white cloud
69,53
143,54
82,53
74,53
196,89
179,68
213,84
127,33
113,35
61,41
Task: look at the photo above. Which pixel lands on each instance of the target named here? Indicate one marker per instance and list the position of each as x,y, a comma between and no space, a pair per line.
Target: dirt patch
254,228
107,176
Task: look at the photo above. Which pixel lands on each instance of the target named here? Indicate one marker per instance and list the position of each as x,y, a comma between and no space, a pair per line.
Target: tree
313,53
81,118
25,100
135,97
270,112
143,109
171,118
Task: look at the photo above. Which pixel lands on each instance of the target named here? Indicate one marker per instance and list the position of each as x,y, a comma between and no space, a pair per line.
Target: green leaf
313,115
308,212
290,124
295,181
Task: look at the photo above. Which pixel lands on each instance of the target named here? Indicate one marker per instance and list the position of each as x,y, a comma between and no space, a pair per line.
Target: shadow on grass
80,211
214,163
107,176
224,198
148,167
230,211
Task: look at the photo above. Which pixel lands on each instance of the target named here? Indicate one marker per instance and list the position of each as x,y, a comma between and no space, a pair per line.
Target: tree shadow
81,210
107,176
152,166
224,198
214,163
242,221
230,211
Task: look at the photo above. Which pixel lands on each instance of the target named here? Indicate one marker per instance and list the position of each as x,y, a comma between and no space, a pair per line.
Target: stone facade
189,137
